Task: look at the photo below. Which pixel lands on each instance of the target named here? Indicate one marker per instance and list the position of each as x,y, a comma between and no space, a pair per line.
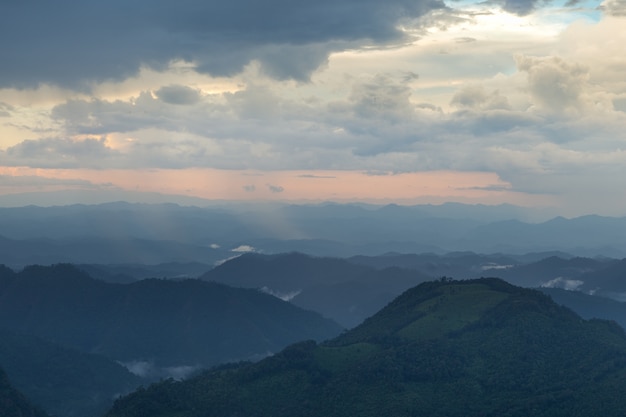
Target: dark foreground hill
13,403
165,323
447,348
64,382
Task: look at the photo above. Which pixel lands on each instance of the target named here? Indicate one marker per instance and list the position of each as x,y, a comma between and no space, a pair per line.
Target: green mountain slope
446,348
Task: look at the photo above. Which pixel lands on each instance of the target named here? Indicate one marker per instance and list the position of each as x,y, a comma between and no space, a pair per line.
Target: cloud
58,153
249,188
316,176
382,97
564,283
492,187
554,83
5,109
275,188
476,97
540,120
178,94
76,44
614,7
520,7
33,181
244,249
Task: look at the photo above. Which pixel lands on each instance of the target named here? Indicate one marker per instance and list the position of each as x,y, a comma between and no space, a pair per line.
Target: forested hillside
447,348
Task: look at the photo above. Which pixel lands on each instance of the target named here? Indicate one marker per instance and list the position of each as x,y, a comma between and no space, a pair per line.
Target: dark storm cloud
73,43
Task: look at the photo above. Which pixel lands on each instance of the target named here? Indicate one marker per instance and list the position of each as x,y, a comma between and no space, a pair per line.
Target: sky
498,101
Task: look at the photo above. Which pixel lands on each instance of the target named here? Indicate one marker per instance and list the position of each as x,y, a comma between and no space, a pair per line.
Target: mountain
589,306
446,348
127,273
62,381
124,233
554,271
350,290
336,288
608,281
584,236
172,325
13,403
461,265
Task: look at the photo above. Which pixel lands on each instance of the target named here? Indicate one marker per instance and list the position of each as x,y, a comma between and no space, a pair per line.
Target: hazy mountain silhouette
62,381
446,348
13,403
336,288
349,290
589,306
162,322
609,281
159,233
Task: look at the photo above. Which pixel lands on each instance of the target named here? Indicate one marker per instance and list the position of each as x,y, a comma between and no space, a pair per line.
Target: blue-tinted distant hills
350,290
123,233
168,323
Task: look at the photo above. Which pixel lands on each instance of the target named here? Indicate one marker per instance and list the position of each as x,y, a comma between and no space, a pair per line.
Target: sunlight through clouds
518,90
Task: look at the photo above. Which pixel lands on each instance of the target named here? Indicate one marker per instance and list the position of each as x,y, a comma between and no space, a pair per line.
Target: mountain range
445,348
123,233
350,290
72,343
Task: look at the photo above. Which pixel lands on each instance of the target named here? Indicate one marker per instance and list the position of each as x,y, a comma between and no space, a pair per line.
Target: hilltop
444,348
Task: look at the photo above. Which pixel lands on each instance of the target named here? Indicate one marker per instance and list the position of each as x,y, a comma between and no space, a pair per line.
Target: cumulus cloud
538,121
80,43
554,83
614,7
382,97
477,97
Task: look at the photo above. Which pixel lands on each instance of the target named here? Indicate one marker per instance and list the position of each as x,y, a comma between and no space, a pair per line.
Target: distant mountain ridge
157,233
168,323
444,348
337,288
350,290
